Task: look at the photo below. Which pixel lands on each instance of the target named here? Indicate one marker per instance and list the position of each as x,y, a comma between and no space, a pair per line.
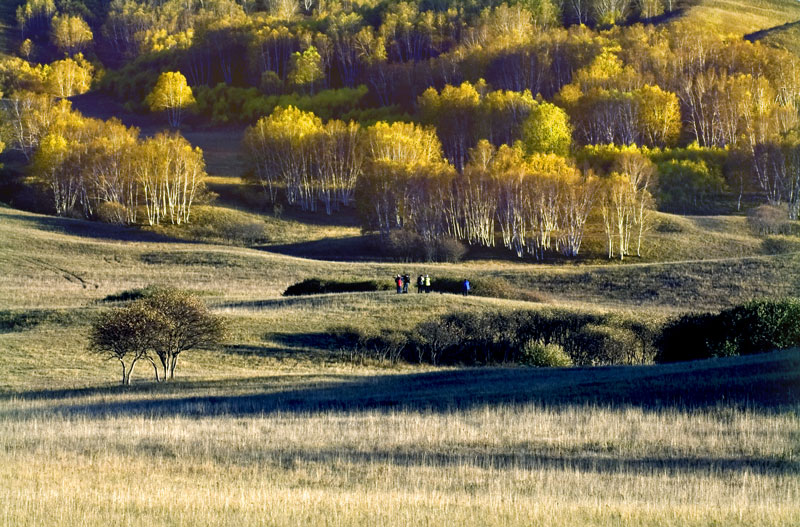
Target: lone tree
171,94
127,335
163,324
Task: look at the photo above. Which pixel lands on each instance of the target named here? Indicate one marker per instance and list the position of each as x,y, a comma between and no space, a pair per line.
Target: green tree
307,70
547,130
171,94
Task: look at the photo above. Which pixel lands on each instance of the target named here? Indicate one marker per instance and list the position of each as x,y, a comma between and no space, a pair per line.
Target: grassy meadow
277,428
743,17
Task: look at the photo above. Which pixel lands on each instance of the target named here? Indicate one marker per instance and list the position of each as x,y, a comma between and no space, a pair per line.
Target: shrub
769,219
112,212
537,353
468,338
755,327
686,186
405,245
318,286
444,250
596,344
409,246
387,346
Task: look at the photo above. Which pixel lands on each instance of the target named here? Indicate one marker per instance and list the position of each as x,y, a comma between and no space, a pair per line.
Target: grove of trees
513,123
103,169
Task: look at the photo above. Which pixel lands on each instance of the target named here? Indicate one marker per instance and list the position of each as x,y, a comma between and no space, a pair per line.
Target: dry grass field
742,17
274,429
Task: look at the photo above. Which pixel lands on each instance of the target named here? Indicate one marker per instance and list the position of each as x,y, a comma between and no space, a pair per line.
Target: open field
284,423
605,446
275,429
742,17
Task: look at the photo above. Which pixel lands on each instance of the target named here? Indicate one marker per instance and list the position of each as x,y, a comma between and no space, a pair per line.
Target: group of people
424,284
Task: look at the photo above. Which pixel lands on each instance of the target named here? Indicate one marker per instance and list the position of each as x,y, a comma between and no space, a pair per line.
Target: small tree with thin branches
156,328
127,335
189,325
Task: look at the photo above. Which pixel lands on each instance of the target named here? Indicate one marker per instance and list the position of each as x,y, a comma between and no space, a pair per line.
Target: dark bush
508,337
130,295
763,325
317,286
756,327
691,337
409,246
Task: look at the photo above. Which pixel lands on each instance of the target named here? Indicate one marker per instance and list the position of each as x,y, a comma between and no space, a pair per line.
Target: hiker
406,280
427,284
420,283
465,287
398,280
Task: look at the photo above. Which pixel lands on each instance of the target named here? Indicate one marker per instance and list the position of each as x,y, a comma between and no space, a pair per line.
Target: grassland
444,448
742,17
274,428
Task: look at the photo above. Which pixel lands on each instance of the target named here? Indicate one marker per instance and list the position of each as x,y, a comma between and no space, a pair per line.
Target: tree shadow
759,35
767,383
317,300
522,457
348,249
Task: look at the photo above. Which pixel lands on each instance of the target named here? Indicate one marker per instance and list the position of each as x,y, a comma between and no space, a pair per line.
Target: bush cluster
539,338
409,246
755,327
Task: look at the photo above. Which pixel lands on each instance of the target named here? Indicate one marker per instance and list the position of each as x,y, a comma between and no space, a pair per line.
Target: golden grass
741,17
491,465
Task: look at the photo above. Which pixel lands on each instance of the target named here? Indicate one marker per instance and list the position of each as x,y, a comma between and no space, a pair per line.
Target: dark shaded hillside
761,381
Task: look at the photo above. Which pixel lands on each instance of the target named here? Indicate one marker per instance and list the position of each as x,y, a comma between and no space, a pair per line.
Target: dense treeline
489,122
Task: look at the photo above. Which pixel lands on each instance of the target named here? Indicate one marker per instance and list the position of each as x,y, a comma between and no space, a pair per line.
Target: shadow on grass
349,249
765,382
520,457
88,229
319,300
